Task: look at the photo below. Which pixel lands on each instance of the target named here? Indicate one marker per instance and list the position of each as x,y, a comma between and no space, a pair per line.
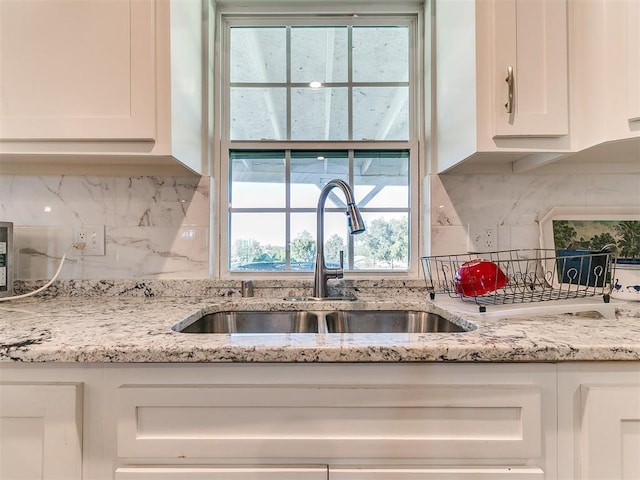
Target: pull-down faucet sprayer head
356,223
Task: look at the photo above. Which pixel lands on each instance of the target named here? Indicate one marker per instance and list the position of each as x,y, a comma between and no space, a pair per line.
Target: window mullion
288,84
287,205
350,82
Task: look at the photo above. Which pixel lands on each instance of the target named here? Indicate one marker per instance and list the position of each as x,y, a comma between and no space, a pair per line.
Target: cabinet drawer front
320,421
438,473
221,473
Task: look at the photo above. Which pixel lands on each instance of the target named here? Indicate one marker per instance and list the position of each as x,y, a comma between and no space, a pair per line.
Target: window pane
380,54
309,174
381,179
303,241
258,55
318,54
385,243
335,238
257,180
257,241
380,113
258,114
319,114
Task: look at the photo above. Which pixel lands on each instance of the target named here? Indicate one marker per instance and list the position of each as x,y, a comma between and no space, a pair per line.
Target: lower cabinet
40,431
437,473
328,473
324,421
221,473
337,422
599,421
610,431
535,421
565,421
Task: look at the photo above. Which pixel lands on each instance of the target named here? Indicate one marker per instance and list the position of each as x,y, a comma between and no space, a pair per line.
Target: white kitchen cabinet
337,415
605,68
599,421
621,62
40,431
477,41
100,83
77,70
221,473
319,421
437,473
300,421
330,473
610,431
530,50
633,61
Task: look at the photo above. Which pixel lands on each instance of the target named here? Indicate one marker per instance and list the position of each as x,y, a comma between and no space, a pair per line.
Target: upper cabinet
501,79
530,57
101,83
77,70
522,84
621,62
633,59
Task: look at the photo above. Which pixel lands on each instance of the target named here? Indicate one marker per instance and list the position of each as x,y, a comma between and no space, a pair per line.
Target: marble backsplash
515,204
159,227
156,227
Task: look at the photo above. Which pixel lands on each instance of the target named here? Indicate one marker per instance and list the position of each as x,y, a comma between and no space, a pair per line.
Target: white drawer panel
438,473
314,421
221,473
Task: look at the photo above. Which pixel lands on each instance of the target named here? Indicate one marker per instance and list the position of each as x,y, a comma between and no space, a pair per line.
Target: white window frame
300,12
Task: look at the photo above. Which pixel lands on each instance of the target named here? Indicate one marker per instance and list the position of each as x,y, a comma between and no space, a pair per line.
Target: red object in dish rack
478,277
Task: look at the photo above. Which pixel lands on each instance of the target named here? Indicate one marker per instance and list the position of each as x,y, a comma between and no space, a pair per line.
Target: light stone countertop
111,328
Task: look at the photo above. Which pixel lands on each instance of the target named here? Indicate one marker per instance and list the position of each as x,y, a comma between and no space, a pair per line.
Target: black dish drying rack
534,275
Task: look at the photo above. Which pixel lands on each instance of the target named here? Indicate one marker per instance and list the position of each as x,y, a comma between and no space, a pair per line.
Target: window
307,99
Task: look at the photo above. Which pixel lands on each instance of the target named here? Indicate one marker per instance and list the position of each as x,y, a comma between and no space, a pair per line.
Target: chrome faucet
356,225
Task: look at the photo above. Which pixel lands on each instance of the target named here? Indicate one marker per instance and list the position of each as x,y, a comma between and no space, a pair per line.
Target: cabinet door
530,37
438,473
633,52
222,473
610,431
40,431
75,69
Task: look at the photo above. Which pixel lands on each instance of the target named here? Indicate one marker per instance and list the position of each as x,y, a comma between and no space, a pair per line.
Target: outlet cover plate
93,238
483,238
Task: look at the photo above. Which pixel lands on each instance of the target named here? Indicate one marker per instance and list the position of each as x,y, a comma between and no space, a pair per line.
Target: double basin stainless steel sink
340,321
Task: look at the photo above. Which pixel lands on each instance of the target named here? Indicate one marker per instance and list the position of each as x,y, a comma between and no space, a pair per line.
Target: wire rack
536,275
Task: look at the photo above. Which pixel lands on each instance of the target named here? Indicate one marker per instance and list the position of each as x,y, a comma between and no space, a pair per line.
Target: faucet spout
356,225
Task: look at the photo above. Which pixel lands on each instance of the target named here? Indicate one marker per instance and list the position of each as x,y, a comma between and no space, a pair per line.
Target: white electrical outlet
483,238
489,238
92,236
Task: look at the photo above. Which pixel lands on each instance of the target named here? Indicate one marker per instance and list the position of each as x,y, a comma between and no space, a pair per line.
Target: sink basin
389,321
253,322
341,321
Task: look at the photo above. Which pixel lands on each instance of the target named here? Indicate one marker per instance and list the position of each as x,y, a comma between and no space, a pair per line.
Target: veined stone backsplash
515,204
158,227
